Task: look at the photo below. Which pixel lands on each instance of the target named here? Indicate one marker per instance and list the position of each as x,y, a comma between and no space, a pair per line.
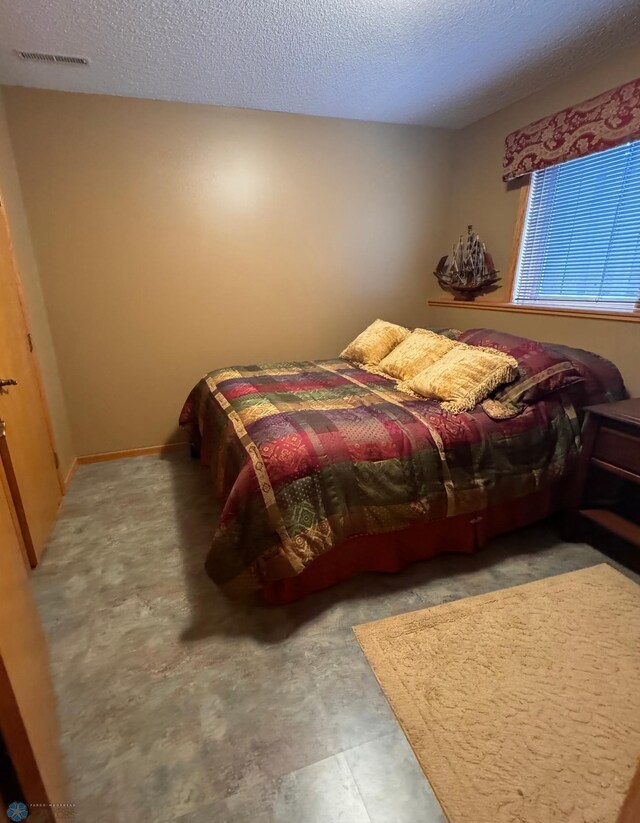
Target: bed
323,469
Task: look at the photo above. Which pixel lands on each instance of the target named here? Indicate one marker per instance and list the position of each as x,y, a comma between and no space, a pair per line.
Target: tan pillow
375,342
417,352
465,376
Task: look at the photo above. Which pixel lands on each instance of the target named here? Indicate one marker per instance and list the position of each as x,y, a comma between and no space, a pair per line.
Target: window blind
580,245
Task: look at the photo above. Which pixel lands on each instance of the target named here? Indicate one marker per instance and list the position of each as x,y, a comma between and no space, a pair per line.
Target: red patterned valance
601,123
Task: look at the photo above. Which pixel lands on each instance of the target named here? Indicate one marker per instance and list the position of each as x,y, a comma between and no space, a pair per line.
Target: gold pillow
416,353
375,342
465,376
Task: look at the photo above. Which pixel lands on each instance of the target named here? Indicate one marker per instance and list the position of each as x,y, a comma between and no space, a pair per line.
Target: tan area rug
523,704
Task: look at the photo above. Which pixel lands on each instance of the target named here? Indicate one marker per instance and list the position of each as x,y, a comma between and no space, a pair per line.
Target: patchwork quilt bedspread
308,454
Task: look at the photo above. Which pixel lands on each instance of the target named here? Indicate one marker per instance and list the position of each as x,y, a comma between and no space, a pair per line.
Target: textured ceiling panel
433,62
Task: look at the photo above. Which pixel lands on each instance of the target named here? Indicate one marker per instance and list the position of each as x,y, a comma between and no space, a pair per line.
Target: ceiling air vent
40,57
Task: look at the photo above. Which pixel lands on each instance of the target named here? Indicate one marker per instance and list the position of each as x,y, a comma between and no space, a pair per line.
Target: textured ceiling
433,62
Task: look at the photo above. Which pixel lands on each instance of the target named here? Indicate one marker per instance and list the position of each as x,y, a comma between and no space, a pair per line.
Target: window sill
492,305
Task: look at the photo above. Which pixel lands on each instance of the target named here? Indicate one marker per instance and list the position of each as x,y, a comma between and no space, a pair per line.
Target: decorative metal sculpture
468,271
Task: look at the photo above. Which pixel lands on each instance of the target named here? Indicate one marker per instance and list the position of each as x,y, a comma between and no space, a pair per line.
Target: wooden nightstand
607,484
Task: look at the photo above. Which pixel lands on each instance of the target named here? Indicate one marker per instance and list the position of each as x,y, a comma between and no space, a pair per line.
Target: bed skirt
392,552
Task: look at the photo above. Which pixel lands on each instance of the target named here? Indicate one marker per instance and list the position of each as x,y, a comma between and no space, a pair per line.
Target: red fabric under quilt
393,552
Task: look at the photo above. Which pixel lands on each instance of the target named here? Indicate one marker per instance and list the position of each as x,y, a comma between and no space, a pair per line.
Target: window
580,245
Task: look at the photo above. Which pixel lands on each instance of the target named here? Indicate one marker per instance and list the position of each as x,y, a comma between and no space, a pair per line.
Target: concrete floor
178,705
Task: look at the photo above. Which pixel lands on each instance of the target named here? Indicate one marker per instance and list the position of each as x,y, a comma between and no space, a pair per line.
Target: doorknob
9,382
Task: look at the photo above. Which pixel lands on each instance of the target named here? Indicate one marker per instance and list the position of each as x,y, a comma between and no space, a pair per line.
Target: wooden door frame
37,370
20,752
30,728
17,509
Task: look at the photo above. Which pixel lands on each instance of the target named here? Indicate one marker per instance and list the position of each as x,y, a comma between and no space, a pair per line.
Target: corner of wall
480,197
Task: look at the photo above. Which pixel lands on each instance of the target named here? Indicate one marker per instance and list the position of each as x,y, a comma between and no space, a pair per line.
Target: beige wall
174,238
479,197
37,314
